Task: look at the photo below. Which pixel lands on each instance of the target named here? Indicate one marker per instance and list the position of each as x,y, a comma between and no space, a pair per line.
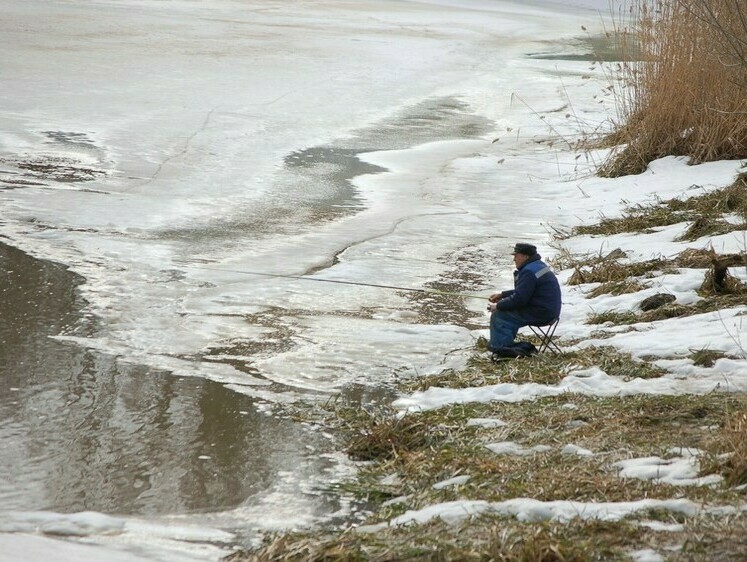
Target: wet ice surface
235,139
160,151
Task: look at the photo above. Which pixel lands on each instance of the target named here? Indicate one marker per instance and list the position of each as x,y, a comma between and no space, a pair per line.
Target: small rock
656,301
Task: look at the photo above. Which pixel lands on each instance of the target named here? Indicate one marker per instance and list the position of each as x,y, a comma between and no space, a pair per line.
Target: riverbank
630,444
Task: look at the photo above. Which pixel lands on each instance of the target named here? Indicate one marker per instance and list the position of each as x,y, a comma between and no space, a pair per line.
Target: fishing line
341,282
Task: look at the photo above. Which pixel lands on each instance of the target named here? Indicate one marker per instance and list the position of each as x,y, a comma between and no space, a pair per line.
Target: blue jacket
536,293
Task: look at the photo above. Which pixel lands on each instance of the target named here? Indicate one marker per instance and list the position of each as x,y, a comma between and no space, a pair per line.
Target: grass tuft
612,317
382,434
695,258
718,281
611,271
706,357
734,439
617,288
705,226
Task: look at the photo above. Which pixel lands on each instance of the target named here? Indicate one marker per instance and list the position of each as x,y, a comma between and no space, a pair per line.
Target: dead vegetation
612,271
733,441
381,435
715,539
617,275
711,304
684,93
719,289
542,369
612,428
617,278
706,357
617,288
490,538
705,213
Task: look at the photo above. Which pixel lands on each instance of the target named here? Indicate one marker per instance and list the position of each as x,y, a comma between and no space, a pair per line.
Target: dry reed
686,94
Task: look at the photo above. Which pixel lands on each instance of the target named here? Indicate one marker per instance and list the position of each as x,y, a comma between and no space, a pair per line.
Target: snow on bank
680,470
732,376
511,448
529,510
646,555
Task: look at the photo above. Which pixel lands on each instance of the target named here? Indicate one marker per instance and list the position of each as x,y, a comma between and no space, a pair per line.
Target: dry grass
564,259
612,317
614,428
484,539
733,440
640,218
731,199
710,304
542,369
541,476
687,97
616,288
703,211
706,357
612,271
504,540
695,258
642,423
382,434
715,539
706,226
720,288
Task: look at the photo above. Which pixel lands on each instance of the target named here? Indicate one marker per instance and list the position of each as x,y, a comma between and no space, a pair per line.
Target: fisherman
534,300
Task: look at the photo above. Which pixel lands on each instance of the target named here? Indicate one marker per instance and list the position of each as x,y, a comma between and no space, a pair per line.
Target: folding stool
545,334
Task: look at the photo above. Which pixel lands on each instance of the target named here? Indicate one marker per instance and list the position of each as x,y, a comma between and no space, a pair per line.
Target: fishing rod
341,282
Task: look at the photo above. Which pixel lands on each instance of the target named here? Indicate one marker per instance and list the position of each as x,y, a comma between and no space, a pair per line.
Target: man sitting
534,300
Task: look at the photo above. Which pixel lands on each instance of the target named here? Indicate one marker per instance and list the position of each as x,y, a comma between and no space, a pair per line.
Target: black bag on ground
516,349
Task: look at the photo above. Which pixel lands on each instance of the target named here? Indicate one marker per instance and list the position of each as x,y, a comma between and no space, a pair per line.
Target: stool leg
545,335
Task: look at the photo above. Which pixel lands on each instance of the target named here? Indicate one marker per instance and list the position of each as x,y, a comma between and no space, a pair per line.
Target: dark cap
526,249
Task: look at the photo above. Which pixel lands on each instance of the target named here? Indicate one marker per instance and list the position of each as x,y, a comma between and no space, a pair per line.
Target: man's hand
495,297
492,306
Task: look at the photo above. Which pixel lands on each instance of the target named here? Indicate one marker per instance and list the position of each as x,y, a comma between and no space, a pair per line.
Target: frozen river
155,157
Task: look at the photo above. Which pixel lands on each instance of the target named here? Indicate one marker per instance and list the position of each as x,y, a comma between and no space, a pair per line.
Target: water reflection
80,431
